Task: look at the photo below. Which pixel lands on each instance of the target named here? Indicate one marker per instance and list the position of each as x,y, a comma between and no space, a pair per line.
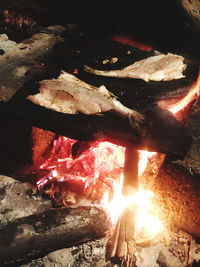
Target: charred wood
130,171
158,131
50,230
109,126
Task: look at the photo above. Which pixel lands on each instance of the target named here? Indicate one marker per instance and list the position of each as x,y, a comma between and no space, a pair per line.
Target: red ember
91,173
129,41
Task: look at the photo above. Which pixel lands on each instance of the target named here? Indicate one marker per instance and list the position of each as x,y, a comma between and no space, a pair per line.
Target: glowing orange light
118,202
147,220
144,156
182,103
127,40
193,93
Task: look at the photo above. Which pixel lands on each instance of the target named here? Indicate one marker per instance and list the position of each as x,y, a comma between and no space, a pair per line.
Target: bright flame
143,160
144,156
193,93
182,103
147,221
118,202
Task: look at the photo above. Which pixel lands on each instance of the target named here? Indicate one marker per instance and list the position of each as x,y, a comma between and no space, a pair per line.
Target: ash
89,254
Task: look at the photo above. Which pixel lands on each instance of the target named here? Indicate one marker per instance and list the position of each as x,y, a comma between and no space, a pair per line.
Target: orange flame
183,102
147,221
192,95
144,157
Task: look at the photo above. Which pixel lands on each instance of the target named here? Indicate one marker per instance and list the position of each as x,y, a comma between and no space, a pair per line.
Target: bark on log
50,230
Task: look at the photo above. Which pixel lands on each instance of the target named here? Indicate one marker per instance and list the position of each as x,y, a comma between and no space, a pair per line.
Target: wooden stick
130,182
123,241
38,234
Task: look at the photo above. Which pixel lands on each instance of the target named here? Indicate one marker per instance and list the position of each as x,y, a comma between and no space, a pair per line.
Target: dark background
161,23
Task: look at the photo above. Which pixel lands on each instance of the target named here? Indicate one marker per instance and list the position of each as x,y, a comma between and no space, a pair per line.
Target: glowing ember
89,174
129,41
97,173
96,169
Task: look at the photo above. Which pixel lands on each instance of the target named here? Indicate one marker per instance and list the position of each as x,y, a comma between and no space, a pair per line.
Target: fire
183,102
96,171
144,157
89,172
192,95
147,219
147,222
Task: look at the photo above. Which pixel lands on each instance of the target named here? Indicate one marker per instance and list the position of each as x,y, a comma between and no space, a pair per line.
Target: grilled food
155,68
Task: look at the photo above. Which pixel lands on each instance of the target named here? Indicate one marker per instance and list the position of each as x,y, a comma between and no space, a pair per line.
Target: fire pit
119,186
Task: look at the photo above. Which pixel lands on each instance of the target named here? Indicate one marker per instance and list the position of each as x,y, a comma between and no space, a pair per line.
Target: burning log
130,172
153,128
123,240
50,230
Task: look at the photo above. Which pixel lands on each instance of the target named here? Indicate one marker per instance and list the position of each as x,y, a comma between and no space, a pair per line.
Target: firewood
53,229
123,240
130,172
69,95
158,130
